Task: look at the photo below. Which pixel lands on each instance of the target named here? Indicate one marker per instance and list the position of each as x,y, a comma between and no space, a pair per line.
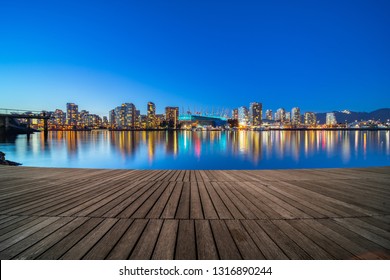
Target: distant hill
342,117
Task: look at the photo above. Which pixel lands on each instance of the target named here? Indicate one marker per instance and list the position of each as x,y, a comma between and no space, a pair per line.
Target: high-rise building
125,115
288,117
255,113
151,109
268,115
310,119
296,116
331,119
243,118
112,118
83,117
280,115
172,116
235,114
72,114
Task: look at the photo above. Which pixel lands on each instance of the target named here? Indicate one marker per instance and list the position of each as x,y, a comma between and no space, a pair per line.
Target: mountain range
349,116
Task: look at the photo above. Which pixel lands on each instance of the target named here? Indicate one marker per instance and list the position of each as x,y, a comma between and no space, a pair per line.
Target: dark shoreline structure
3,161
60,213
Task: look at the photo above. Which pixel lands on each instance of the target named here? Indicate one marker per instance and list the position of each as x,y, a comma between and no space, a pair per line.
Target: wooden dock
52,213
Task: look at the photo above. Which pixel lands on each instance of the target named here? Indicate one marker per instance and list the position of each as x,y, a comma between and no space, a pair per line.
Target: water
201,150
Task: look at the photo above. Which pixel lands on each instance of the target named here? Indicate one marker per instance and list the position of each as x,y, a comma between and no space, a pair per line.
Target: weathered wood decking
180,214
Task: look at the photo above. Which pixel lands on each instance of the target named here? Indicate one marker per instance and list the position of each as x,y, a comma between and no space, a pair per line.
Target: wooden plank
144,247
327,244
227,249
38,248
267,246
345,239
13,223
101,250
148,204
361,228
196,211
245,244
222,211
19,228
207,204
205,243
244,210
186,245
60,248
289,247
19,246
226,200
315,251
165,247
183,208
125,245
160,204
118,209
88,241
171,207
116,200
251,206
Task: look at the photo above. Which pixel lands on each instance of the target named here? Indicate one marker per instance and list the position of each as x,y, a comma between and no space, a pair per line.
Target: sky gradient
317,55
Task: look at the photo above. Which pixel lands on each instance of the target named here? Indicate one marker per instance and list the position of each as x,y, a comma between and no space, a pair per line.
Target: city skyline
317,56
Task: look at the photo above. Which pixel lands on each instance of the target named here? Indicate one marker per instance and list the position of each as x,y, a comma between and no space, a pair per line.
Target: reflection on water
201,150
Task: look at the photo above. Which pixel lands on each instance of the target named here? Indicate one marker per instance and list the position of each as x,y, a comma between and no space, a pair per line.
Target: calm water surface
201,150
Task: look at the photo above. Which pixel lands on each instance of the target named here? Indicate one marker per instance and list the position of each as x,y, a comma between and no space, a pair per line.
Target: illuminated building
172,116
310,119
288,117
255,113
331,119
105,121
280,115
125,115
243,118
296,116
59,117
235,114
151,121
112,118
268,115
83,117
72,114
160,118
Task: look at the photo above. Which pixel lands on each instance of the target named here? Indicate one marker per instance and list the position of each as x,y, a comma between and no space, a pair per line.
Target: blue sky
317,55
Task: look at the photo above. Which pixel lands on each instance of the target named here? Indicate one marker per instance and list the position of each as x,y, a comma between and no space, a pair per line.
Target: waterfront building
235,114
105,121
151,120
288,117
296,116
280,115
59,117
172,116
255,113
125,115
112,118
243,118
160,118
268,115
310,119
83,117
331,119
72,114
93,121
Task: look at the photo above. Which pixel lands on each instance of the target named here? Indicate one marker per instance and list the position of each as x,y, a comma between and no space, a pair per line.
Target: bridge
8,123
